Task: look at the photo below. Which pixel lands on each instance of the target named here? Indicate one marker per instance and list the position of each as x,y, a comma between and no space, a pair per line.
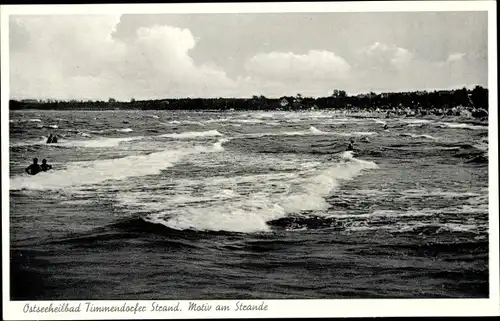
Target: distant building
284,102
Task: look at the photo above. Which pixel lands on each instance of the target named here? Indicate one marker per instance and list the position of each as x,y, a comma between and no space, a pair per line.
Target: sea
172,205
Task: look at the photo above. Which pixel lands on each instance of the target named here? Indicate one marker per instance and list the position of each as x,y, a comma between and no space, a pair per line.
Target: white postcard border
13,310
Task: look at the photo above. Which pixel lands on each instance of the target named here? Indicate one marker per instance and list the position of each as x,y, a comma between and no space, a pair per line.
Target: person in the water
350,147
34,168
52,139
45,167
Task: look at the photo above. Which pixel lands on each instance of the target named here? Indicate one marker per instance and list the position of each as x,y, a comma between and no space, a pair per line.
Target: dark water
162,205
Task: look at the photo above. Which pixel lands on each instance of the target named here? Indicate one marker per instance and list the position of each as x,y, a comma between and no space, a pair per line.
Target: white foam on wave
481,146
125,130
217,120
383,213
416,121
97,143
248,121
357,134
98,171
311,131
256,200
218,144
314,130
265,115
413,226
193,134
35,120
379,121
436,192
461,126
184,122
418,136
30,142
408,227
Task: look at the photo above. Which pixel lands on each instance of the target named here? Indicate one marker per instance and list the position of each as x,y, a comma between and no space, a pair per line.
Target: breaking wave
193,134
98,171
248,209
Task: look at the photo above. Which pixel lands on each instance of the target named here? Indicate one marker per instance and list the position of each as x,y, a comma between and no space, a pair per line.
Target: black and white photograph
181,158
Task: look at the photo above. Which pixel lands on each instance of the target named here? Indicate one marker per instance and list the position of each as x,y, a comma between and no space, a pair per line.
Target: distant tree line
476,98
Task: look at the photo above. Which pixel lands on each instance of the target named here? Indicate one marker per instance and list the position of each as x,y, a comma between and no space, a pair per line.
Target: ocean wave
481,146
98,171
124,130
314,130
90,143
218,144
461,126
379,121
311,131
193,134
97,143
416,121
427,220
418,193
31,142
355,134
248,121
268,199
418,136
183,122
418,228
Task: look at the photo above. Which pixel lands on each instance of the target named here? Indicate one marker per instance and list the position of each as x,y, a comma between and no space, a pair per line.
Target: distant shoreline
460,102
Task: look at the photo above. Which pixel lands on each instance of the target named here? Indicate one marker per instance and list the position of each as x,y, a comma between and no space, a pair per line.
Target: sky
155,56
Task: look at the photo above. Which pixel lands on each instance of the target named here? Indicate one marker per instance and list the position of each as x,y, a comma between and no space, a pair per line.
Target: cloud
77,57
311,73
384,67
455,57
315,64
85,57
385,56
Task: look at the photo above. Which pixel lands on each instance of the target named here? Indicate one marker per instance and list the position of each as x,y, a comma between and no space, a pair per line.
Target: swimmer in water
52,139
34,168
350,147
45,167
